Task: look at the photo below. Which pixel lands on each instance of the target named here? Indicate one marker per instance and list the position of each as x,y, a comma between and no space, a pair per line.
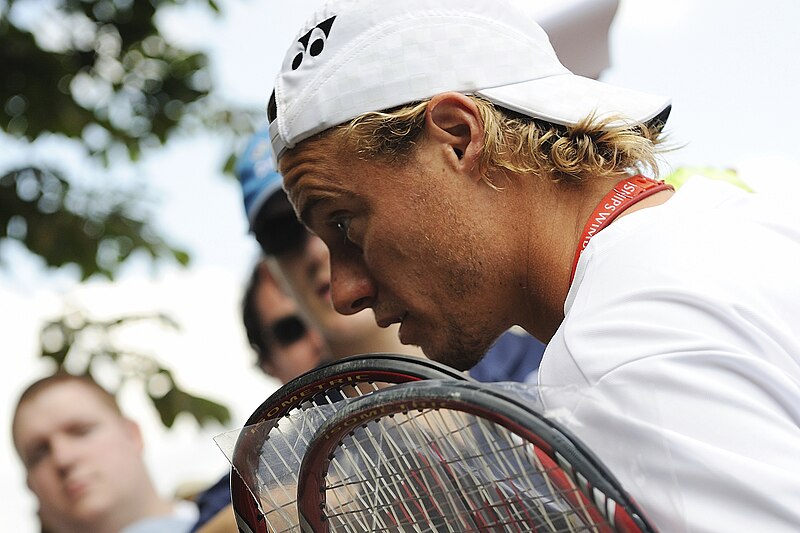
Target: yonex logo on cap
319,34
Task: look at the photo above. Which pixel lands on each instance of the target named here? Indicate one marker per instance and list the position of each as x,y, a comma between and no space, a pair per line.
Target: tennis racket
269,450
455,457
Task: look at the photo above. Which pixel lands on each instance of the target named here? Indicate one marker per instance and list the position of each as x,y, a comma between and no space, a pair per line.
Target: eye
79,430
342,225
36,454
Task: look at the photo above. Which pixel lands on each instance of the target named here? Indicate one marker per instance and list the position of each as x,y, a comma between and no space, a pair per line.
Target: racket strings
281,454
510,472
382,490
449,471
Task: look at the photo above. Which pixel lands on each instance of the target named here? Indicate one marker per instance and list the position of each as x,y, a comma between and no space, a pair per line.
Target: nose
63,452
352,287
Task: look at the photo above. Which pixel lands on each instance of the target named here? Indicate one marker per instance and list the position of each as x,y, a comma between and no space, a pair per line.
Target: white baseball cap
357,56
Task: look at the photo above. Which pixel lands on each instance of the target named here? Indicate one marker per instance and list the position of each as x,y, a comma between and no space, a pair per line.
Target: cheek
294,362
400,248
117,454
294,278
302,354
43,481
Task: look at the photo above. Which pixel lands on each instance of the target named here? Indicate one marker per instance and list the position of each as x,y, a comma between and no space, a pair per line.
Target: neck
146,505
559,216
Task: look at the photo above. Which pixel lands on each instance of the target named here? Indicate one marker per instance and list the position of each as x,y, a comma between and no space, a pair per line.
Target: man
464,181
285,346
300,260
84,462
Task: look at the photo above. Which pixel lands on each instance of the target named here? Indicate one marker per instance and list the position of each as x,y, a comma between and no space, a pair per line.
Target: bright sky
729,65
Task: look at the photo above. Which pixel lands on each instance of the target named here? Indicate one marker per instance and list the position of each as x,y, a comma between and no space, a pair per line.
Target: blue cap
257,174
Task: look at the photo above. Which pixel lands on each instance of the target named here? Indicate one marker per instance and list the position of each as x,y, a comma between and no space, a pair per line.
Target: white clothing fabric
681,345
181,520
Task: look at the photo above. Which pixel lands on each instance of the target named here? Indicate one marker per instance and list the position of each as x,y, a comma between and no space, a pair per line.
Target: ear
454,120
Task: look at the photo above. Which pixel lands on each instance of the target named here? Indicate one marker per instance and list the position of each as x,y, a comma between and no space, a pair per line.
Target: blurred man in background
285,347
284,344
84,462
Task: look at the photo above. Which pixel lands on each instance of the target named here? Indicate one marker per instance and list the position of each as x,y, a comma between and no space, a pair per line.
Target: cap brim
569,99
260,202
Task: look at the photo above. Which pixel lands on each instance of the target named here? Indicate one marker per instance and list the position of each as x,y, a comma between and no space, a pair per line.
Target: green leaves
81,345
176,401
99,76
94,231
100,73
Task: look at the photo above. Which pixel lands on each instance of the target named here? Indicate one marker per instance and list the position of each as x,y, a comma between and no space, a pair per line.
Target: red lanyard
624,194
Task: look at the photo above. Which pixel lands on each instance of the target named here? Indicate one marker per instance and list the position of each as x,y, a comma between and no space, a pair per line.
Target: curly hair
596,147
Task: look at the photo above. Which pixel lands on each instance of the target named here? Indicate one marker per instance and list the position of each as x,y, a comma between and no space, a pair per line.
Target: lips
385,322
76,488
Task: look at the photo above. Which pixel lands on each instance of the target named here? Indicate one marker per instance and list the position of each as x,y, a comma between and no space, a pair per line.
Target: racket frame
599,490
331,377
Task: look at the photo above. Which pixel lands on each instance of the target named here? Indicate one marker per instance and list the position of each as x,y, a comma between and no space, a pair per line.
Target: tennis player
464,182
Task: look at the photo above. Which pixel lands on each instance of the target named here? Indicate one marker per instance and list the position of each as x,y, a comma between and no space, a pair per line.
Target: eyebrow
313,199
31,449
309,204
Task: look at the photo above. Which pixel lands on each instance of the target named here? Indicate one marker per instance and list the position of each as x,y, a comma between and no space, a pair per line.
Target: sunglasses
285,331
281,235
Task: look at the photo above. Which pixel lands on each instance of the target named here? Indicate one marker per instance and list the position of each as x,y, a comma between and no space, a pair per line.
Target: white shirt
678,360
181,520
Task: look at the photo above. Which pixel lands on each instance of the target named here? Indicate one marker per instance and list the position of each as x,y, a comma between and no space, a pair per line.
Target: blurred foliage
97,235
729,175
98,73
81,345
98,76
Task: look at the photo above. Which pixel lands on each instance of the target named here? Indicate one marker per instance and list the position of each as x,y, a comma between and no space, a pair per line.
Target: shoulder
708,272
708,234
212,501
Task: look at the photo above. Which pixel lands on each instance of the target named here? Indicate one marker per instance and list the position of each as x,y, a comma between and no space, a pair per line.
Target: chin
458,358
459,351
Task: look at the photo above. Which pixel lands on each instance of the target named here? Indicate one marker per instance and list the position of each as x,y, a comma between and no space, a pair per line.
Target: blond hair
596,147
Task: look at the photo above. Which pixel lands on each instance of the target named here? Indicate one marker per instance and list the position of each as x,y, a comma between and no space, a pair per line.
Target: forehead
59,404
323,168
320,155
272,302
